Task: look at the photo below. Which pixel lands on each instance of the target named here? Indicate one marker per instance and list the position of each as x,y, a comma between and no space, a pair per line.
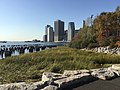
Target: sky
22,20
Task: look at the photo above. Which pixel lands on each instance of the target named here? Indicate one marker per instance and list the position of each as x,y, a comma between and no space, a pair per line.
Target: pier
13,49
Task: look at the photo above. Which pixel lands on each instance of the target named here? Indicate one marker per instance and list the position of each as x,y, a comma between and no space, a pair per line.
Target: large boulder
17,86
71,72
116,67
50,77
85,71
50,87
74,72
73,80
23,86
39,85
103,73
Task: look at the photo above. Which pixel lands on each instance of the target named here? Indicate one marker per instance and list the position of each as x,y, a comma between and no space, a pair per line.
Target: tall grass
29,67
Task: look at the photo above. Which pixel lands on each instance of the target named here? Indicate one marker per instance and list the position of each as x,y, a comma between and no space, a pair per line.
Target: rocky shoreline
68,80
107,50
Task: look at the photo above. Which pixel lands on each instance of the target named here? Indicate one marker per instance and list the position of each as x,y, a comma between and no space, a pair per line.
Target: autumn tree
104,30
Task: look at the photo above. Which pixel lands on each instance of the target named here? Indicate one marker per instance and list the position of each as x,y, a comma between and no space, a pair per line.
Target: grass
29,67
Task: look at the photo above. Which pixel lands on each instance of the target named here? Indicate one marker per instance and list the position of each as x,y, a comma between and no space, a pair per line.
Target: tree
104,30
117,9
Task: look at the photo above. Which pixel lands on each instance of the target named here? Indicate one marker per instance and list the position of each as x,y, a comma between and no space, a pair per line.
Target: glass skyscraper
59,30
50,34
45,37
71,30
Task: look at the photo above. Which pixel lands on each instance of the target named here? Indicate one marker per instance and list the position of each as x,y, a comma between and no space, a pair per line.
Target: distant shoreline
3,41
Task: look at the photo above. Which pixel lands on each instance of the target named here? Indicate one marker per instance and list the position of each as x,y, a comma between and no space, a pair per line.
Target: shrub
92,45
55,69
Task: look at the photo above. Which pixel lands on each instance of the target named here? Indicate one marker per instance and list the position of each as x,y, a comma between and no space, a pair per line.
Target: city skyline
25,19
58,33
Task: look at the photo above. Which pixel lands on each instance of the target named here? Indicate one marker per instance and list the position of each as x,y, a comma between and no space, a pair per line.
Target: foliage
104,30
117,9
85,38
106,25
93,45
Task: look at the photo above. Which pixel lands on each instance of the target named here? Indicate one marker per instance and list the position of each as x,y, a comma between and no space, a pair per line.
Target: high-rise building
59,30
45,37
65,35
71,30
50,34
83,23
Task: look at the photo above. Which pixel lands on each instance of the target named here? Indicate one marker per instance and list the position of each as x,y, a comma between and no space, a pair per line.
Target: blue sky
26,19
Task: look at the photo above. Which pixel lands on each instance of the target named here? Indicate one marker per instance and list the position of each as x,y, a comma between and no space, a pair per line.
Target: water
16,53
25,45
12,44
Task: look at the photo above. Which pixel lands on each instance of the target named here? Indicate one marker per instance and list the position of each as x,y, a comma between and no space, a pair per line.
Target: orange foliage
118,43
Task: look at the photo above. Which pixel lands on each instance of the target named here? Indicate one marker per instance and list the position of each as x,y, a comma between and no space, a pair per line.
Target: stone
49,76
16,86
74,72
103,73
85,71
62,83
39,85
116,67
71,72
23,86
106,50
116,72
50,87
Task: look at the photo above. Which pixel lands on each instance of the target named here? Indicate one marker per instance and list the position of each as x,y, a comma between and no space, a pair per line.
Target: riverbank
29,67
73,80
106,50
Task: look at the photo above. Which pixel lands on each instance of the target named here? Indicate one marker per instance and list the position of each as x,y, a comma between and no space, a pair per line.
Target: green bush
55,69
93,45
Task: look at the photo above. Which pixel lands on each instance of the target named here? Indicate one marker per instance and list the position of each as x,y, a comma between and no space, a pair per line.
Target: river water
11,44
24,44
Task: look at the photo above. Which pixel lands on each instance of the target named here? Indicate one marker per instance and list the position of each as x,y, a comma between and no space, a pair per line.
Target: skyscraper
71,30
59,30
45,37
83,23
50,34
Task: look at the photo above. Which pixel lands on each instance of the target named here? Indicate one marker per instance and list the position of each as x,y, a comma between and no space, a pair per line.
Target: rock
92,70
39,85
16,86
71,72
23,86
85,71
50,87
49,76
72,80
74,72
103,73
116,67
116,72
106,50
